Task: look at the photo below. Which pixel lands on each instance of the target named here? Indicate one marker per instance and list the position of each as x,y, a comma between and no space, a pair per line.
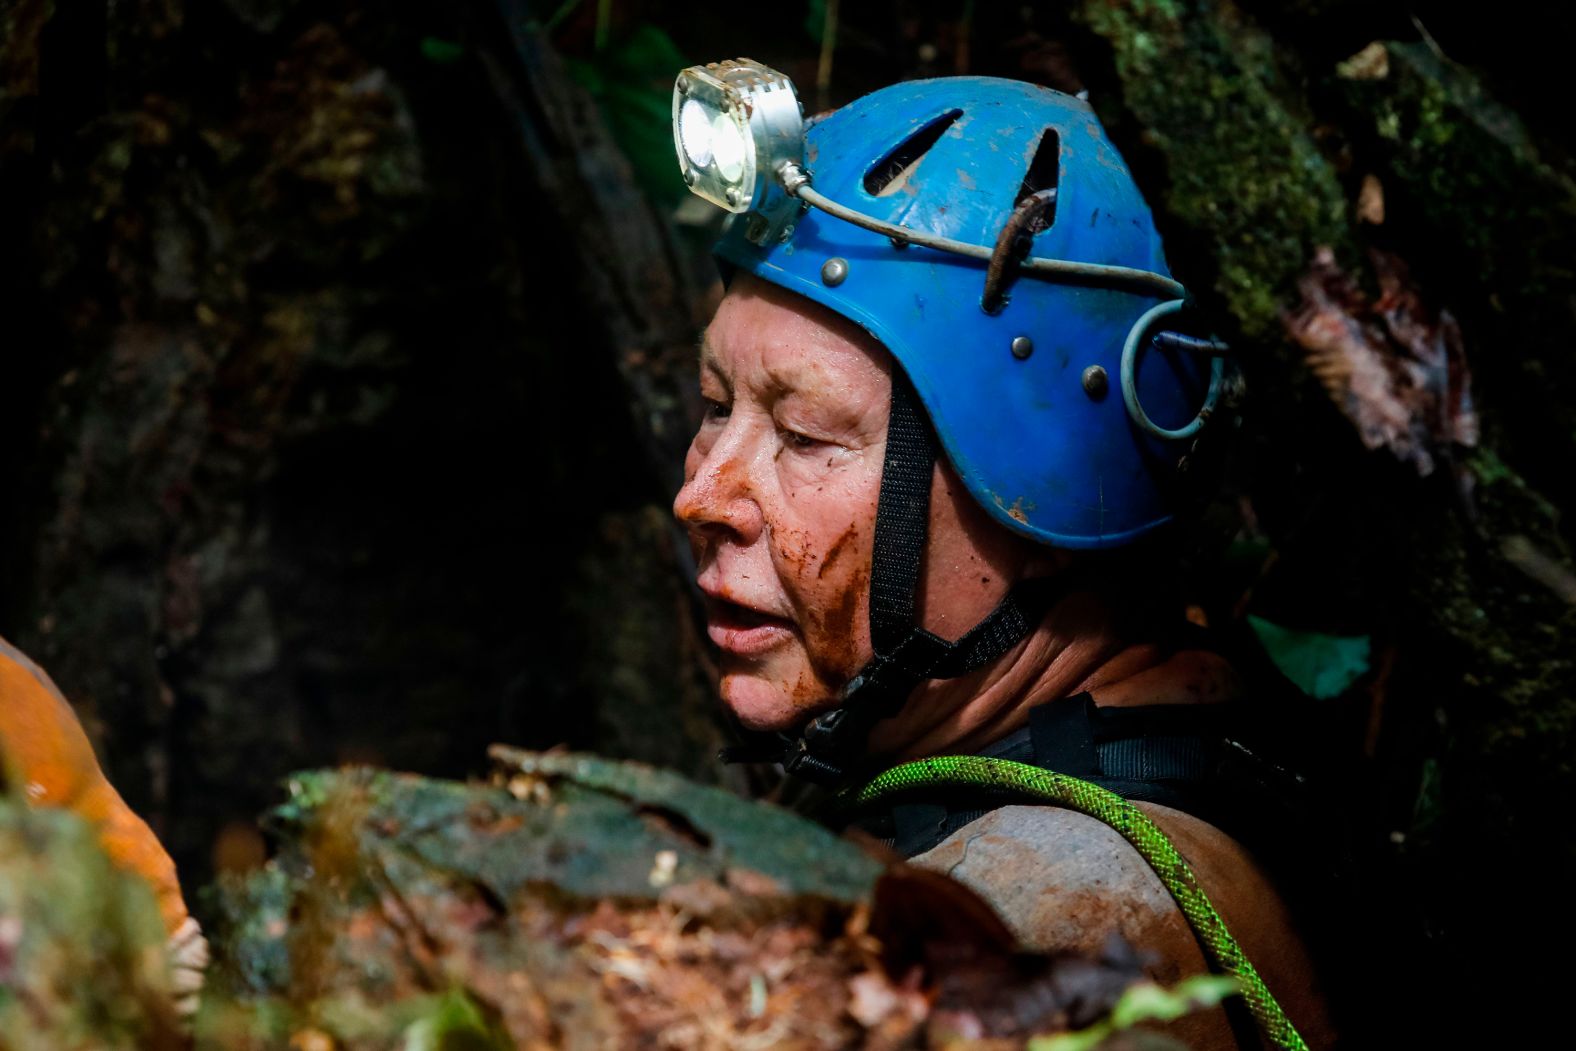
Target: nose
718,500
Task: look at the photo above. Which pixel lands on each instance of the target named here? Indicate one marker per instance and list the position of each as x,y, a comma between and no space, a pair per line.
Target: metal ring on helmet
1129,377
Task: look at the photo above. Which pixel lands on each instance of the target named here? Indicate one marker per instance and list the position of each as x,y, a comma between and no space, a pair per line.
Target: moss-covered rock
1229,157
1470,192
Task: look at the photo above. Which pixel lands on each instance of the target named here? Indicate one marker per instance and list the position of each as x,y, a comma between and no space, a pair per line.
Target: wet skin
780,494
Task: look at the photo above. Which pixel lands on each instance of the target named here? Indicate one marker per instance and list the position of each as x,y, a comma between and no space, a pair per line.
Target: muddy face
780,492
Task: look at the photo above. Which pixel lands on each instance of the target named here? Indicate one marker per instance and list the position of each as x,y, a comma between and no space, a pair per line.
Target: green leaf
815,19
455,1023
1322,666
1144,1002
632,83
1150,1003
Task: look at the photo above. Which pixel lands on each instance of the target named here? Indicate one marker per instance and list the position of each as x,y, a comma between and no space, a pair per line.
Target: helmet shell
1041,454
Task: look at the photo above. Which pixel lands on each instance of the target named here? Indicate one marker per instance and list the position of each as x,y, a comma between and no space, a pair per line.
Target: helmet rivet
735,195
689,176
1095,381
1022,347
834,271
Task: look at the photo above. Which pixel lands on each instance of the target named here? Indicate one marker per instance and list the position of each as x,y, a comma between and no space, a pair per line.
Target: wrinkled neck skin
1077,648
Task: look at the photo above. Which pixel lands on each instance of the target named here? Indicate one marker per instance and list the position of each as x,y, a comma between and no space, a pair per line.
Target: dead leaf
1394,367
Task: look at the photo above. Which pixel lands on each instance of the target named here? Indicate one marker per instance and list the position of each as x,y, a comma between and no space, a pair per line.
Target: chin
762,706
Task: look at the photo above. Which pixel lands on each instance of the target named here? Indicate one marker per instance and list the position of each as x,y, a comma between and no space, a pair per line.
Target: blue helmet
1022,379
988,234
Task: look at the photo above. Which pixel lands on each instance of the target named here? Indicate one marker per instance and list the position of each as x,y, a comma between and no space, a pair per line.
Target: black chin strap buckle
820,753
832,744
823,752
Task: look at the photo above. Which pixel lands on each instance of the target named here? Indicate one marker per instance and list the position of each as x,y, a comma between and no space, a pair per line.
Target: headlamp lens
729,147
695,133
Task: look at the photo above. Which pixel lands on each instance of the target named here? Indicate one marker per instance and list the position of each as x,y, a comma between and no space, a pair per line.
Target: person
927,502
47,761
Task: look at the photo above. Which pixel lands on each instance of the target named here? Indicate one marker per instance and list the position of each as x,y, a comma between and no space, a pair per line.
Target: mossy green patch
1242,173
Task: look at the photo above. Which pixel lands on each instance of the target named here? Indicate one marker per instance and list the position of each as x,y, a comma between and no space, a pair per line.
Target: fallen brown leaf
1396,368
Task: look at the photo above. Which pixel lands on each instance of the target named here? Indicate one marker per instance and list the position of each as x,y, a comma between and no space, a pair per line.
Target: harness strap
1167,754
1161,752
1062,736
1131,824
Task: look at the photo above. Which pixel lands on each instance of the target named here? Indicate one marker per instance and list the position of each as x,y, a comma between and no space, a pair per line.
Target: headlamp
736,126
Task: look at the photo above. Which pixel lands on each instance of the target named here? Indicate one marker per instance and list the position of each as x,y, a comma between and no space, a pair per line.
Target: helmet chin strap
832,745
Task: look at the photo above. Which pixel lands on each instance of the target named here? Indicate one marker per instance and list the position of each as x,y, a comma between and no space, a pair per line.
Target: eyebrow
795,378
781,382
708,365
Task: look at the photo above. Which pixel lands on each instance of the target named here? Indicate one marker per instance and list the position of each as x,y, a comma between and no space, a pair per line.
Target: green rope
1133,825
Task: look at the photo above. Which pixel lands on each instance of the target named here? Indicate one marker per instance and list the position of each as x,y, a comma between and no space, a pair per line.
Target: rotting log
582,903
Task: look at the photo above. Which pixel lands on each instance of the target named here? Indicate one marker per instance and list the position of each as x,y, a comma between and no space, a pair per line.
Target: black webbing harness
832,744
1167,753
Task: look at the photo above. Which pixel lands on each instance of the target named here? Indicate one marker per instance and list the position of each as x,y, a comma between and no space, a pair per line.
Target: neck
1077,648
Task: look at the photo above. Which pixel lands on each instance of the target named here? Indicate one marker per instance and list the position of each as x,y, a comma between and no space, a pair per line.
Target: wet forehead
778,367
775,343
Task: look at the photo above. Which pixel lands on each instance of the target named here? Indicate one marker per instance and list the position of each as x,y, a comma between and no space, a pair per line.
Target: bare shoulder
1066,882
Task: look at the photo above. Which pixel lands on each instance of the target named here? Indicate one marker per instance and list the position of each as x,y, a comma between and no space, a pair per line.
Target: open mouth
740,629
732,615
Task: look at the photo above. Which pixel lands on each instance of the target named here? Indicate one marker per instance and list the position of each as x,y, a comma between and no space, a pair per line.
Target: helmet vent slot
892,172
1044,170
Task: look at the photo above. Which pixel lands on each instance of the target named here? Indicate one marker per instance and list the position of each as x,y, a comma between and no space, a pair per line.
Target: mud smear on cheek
807,689
829,634
836,626
836,631
839,547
